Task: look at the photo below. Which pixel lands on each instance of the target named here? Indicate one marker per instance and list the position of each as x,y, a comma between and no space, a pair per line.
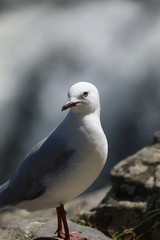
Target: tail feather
3,199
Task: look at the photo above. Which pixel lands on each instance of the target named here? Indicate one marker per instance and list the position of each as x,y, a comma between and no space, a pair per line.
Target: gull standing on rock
65,163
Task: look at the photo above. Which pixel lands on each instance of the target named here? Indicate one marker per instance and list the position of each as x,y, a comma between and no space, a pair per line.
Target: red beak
69,104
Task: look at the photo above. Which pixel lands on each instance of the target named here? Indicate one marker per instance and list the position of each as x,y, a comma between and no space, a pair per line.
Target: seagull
64,164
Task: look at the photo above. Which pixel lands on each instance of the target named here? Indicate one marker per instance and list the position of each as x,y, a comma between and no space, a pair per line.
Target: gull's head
83,98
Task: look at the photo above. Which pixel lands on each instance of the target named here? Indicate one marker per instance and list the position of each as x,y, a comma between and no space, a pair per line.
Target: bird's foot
76,236
72,236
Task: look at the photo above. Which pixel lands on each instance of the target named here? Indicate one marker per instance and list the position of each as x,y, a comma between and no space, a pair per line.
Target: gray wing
26,183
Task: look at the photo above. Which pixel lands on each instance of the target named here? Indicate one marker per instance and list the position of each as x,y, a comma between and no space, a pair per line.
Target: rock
41,229
135,191
85,202
156,137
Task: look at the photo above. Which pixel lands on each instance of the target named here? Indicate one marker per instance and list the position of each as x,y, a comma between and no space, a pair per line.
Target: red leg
65,224
61,216
59,231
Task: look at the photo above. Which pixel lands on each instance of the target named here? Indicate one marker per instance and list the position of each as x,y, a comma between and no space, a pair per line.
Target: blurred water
45,48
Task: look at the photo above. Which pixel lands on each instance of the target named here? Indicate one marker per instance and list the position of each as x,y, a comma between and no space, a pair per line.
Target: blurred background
46,46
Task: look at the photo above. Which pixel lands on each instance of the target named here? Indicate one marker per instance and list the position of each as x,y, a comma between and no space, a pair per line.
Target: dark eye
85,94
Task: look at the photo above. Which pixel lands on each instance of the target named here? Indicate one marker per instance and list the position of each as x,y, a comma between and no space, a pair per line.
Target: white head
83,98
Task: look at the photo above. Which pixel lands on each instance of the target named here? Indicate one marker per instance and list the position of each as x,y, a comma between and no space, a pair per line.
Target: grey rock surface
135,191
43,229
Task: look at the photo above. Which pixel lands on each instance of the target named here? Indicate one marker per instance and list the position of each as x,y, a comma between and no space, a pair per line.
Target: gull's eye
85,94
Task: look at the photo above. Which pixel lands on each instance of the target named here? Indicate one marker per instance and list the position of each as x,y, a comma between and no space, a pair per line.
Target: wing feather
26,183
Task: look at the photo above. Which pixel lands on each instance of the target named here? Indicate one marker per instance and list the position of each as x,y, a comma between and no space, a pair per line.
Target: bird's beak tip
63,108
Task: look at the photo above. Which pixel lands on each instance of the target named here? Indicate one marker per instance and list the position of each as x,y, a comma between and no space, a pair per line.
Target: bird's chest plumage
89,152
89,139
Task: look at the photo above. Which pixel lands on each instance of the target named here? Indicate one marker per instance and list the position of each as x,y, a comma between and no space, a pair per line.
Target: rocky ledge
43,229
